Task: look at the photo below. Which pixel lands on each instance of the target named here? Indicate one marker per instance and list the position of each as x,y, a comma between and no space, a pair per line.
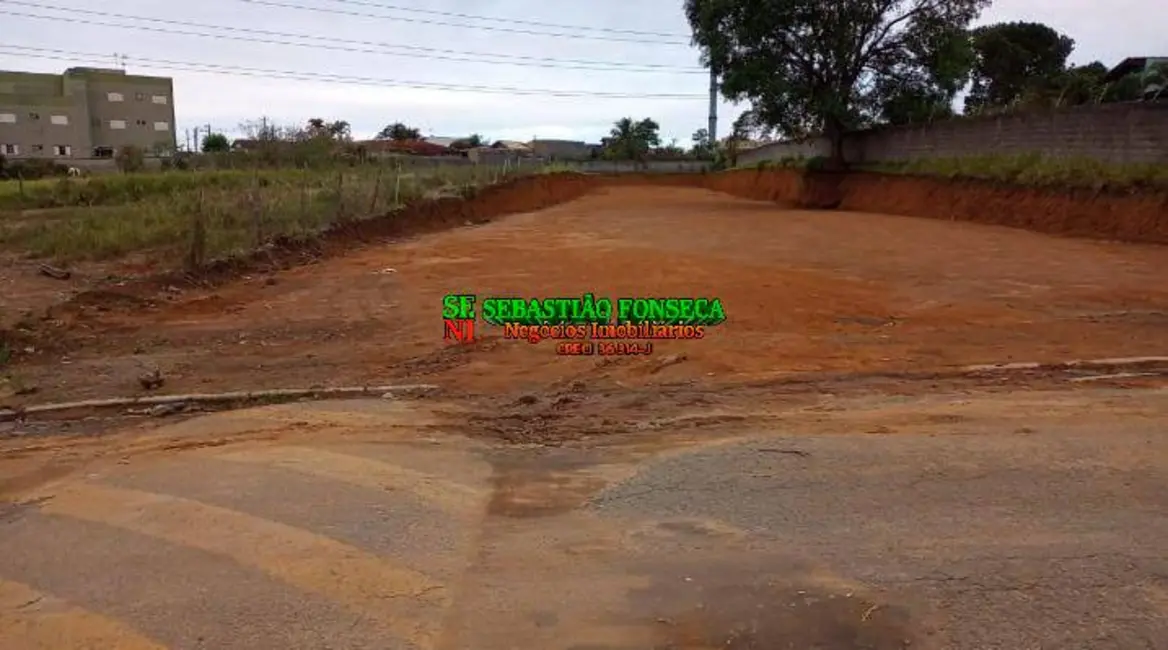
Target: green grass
1038,171
239,209
1033,170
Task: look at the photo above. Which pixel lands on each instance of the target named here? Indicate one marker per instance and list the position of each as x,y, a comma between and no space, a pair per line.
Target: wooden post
197,254
257,208
376,191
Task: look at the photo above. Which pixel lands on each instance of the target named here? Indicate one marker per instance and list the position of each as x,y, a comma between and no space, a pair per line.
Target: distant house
1141,65
441,142
513,146
561,149
403,147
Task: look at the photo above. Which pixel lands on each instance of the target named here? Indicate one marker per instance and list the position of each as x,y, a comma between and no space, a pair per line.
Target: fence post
340,195
304,197
197,253
257,208
376,191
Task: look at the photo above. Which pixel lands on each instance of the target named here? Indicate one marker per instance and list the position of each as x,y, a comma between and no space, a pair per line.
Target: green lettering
714,313
458,305
623,307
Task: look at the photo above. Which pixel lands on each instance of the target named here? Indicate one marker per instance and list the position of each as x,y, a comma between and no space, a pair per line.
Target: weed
189,217
1036,170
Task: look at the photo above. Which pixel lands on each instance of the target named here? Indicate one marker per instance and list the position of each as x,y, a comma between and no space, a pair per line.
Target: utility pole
198,144
713,126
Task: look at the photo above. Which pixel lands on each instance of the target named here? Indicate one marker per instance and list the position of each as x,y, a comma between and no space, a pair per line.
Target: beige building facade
84,113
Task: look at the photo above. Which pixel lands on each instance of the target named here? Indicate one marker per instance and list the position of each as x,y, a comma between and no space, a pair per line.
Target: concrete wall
627,166
1114,133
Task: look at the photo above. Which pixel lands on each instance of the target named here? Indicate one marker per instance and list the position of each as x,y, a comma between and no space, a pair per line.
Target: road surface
952,521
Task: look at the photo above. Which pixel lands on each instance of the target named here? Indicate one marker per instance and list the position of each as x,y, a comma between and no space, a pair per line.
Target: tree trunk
835,134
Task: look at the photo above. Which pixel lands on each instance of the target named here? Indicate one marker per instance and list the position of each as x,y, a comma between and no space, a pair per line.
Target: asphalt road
956,528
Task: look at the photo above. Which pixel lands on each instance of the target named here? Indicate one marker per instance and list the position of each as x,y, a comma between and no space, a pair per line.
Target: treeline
829,66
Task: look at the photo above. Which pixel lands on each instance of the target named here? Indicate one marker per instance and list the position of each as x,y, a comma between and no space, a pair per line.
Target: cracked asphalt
979,521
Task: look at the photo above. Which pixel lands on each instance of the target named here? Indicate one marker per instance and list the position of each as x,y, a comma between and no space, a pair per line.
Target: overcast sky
1107,30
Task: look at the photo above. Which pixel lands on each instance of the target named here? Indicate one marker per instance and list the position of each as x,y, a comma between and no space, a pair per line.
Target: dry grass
104,218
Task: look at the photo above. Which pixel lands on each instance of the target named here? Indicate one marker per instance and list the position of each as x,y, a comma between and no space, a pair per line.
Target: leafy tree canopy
1013,59
320,128
470,142
830,65
630,139
215,142
398,132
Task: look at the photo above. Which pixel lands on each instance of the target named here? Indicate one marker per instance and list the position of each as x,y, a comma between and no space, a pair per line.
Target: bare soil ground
804,291
827,436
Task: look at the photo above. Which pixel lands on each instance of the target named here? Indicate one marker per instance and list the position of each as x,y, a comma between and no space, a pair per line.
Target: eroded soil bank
1130,217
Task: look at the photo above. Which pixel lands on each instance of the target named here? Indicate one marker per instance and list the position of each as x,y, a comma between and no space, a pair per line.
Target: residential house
441,141
561,149
84,113
513,146
1141,65
402,147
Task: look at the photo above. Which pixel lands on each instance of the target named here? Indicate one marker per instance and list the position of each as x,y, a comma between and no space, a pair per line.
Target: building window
34,116
117,124
7,118
115,97
141,122
9,149
63,150
162,126
38,148
159,99
103,152
59,120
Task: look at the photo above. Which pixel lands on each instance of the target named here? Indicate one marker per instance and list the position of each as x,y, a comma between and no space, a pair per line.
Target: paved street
952,528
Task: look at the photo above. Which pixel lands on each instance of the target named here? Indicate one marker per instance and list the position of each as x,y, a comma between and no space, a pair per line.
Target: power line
213,68
410,51
441,23
514,21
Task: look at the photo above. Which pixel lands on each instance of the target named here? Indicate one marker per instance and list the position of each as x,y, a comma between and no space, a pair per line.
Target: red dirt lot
830,291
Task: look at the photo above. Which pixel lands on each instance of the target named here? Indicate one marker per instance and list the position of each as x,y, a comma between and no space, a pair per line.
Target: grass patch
229,212
1035,170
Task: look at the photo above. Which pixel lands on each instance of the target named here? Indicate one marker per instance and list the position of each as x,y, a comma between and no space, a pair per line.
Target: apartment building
84,113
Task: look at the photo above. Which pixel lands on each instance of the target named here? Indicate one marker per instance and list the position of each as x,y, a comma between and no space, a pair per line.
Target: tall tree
319,128
631,139
1014,60
701,144
398,132
825,65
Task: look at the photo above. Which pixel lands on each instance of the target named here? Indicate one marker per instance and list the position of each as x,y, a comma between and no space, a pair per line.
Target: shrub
131,159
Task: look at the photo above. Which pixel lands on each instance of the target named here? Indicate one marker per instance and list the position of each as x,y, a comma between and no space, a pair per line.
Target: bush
32,169
131,159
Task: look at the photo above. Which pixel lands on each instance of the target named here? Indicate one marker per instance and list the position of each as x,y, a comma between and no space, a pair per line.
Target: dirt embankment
1141,218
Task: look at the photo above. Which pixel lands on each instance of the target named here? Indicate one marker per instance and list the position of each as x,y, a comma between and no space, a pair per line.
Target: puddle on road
764,601
736,618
